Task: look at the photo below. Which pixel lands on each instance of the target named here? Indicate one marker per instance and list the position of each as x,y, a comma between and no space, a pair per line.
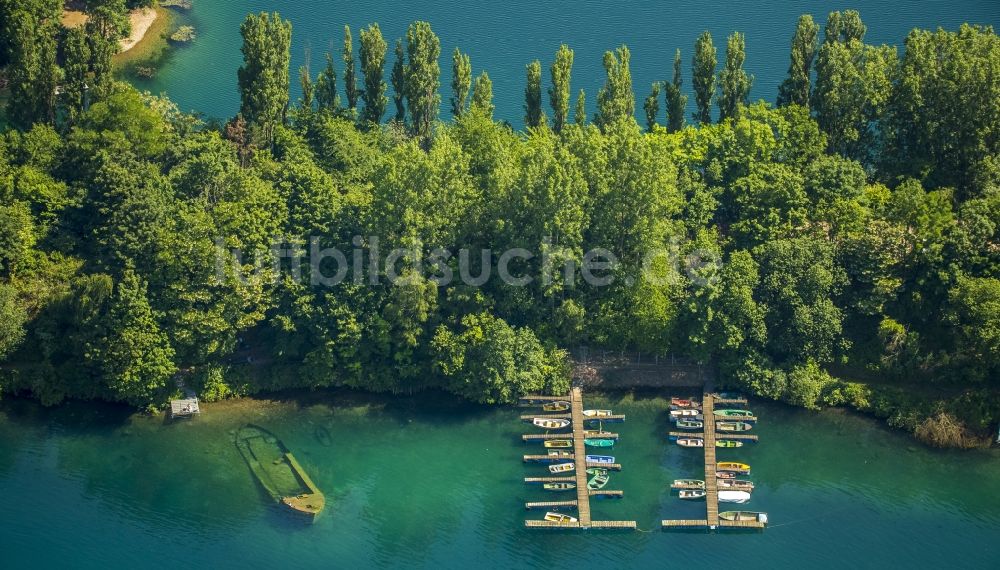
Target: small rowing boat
729,443
684,483
685,413
597,471
678,403
733,466
550,423
598,481
733,413
599,442
559,486
559,518
725,475
604,459
743,516
738,497
557,443
735,484
596,433
597,413
559,453
690,424
558,406
733,426
561,468
692,494
690,442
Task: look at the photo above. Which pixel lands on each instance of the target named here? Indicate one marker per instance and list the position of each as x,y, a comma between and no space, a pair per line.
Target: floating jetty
579,457
712,520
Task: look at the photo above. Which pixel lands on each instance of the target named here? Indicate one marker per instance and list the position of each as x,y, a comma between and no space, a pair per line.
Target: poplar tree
559,93
34,73
263,77
350,78
308,88
423,77
735,83
616,101
533,95
373,50
107,23
482,95
75,70
844,27
399,82
327,97
461,81
794,90
581,108
652,106
676,100
703,65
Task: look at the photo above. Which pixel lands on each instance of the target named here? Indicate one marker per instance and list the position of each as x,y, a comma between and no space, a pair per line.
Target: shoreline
142,21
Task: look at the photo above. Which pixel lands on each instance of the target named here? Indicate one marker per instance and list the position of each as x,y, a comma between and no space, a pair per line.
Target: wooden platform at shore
548,458
534,400
551,505
612,418
718,435
545,436
541,480
631,525
184,408
609,494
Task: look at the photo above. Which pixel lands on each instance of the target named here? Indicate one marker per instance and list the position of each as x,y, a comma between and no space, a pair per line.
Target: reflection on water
430,481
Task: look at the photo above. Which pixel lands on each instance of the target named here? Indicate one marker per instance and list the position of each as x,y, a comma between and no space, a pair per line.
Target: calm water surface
431,482
501,37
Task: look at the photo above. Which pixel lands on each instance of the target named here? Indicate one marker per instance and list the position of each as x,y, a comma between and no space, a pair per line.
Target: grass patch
147,56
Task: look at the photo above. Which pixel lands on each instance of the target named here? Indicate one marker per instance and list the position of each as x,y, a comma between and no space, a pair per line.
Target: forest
852,229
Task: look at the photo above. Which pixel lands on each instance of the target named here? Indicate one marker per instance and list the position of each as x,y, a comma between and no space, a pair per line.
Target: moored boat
725,475
597,413
559,453
735,484
733,413
692,493
278,472
729,443
682,483
559,486
690,442
729,496
605,459
599,442
685,413
558,406
597,471
746,516
678,403
562,468
733,426
732,466
559,518
596,433
557,443
598,481
550,423
690,424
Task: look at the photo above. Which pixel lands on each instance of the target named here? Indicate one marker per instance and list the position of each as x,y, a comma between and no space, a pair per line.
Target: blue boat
600,459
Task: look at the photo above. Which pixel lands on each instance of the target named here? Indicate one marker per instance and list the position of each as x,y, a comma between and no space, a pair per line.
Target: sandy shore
141,22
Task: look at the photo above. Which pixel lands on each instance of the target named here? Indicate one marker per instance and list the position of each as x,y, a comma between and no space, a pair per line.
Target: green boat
598,481
733,413
599,442
728,443
559,486
733,426
597,471
278,472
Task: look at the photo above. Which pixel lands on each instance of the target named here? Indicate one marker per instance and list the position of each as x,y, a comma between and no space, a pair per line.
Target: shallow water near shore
502,37
431,481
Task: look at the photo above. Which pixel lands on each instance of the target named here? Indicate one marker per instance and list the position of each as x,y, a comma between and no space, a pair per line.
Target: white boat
560,453
690,442
597,413
562,468
692,493
600,459
559,518
734,496
550,423
684,413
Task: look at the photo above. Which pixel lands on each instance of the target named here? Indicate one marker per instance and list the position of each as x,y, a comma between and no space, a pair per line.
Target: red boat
683,403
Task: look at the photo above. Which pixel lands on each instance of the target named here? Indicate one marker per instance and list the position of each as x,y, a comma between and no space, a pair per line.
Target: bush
943,430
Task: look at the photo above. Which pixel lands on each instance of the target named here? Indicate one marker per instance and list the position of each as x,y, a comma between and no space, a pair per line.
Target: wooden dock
579,458
184,408
711,520
612,418
548,458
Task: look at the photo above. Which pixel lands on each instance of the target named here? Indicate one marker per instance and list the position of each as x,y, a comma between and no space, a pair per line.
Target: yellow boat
559,518
561,468
732,466
558,443
559,406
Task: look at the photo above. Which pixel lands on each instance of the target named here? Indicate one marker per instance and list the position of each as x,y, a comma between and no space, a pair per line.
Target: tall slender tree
844,27
675,98
616,100
373,50
351,90
703,65
423,77
34,73
461,81
735,83
533,116
482,95
399,82
327,97
652,105
559,93
107,24
794,90
580,116
76,68
263,77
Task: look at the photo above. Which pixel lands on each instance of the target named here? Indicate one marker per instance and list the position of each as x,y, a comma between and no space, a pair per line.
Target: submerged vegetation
849,232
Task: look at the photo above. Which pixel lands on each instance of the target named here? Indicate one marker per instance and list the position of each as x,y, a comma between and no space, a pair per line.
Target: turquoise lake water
501,37
431,482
